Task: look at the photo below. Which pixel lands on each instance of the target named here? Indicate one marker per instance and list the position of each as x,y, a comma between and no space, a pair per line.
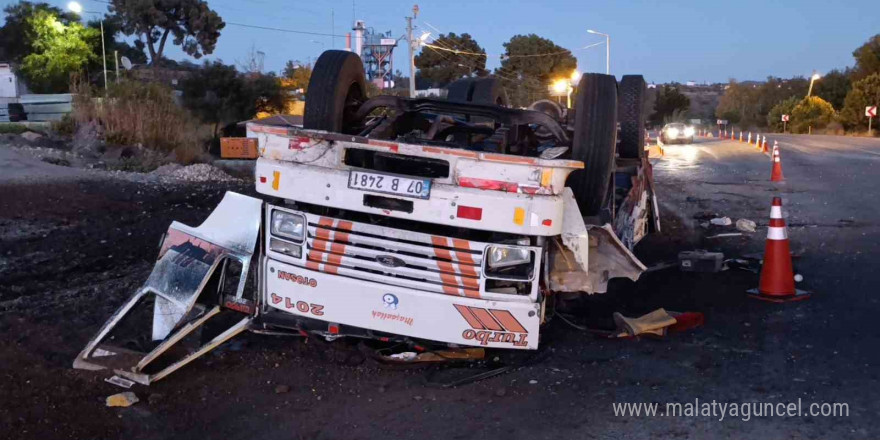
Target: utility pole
412,49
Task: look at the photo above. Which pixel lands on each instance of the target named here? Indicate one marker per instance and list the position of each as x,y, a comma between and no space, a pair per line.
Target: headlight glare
672,132
689,131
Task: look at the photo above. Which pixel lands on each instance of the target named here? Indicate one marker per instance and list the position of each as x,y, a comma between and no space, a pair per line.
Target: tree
194,26
833,87
15,43
784,107
811,113
865,92
671,105
56,51
530,64
295,76
220,95
454,56
867,59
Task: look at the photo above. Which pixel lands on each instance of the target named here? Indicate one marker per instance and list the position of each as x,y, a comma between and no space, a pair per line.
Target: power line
290,31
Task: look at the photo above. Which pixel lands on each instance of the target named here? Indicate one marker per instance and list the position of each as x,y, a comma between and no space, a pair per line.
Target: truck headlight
688,132
285,247
507,262
288,225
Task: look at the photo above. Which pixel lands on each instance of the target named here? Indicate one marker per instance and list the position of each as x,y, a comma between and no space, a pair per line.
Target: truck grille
394,256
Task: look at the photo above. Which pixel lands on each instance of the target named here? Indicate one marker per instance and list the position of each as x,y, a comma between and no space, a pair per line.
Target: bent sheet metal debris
187,260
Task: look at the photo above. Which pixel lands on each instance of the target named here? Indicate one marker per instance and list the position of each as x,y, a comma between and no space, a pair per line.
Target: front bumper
443,318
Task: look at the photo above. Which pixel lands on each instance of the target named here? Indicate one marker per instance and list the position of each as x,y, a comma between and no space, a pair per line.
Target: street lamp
809,92
76,8
607,50
812,80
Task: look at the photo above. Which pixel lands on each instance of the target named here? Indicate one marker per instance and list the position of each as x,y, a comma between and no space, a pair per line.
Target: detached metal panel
47,107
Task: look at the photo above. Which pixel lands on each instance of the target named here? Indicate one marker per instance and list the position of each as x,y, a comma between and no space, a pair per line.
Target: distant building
11,85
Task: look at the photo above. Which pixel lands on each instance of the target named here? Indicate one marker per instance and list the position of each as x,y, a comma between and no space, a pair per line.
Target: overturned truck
427,222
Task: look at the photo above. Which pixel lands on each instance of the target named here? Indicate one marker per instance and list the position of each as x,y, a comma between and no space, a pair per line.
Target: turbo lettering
484,337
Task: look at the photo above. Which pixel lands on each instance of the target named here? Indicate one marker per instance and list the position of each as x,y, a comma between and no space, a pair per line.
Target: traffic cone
749,140
740,136
731,134
773,150
757,141
777,275
764,149
776,173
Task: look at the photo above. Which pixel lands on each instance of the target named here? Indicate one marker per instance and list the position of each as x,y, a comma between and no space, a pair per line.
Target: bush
811,113
12,128
864,92
785,107
66,126
145,114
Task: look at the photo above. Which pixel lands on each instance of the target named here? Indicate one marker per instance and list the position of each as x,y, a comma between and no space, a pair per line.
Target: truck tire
460,90
594,142
489,91
631,114
337,88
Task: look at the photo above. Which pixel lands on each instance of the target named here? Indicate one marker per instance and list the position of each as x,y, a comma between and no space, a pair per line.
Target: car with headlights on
677,133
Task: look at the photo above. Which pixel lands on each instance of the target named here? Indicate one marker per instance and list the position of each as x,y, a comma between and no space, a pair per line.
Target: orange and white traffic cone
740,136
777,275
764,145
776,173
757,141
731,134
749,140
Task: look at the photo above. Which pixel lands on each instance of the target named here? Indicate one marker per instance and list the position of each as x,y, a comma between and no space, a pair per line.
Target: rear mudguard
585,257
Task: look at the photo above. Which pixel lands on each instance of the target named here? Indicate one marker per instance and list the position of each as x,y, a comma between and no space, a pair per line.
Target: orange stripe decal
471,293
469,317
462,255
508,321
486,319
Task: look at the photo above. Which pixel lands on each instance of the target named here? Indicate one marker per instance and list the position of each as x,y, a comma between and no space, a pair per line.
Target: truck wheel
631,114
461,90
595,138
489,91
336,89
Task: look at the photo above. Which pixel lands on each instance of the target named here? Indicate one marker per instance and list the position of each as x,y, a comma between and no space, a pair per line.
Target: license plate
384,183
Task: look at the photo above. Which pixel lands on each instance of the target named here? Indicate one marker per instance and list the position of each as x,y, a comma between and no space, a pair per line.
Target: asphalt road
67,264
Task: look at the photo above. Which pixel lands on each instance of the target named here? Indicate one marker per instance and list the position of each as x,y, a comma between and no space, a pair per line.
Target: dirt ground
74,249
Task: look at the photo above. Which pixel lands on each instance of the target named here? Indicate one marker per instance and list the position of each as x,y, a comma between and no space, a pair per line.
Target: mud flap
187,260
586,256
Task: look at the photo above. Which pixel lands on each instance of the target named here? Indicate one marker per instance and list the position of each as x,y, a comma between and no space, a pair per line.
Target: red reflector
334,329
470,212
547,222
262,179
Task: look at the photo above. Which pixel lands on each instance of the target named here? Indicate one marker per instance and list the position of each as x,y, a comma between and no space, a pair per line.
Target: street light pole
104,54
607,50
76,8
412,49
812,80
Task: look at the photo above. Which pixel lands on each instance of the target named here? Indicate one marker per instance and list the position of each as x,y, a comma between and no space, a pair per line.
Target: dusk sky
666,41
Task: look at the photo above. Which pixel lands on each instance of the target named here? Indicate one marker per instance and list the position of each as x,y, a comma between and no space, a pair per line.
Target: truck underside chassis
434,223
